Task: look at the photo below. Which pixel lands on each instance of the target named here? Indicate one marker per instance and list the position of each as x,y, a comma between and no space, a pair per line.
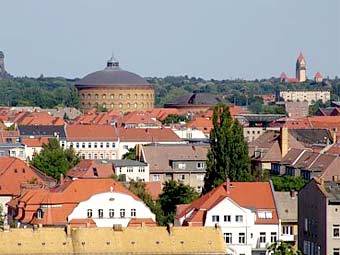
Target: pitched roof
262,198
201,123
139,118
35,142
42,130
68,194
154,189
142,222
15,172
286,204
91,133
147,135
158,157
91,169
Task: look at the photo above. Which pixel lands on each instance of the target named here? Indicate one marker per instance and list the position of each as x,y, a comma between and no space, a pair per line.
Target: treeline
52,92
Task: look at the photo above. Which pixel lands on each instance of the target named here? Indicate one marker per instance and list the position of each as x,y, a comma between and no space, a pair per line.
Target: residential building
104,202
183,163
249,223
131,170
16,150
297,109
319,221
190,134
51,131
140,119
310,96
92,141
33,146
14,173
286,205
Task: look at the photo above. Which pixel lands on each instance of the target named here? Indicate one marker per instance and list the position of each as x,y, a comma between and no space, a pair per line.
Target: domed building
115,89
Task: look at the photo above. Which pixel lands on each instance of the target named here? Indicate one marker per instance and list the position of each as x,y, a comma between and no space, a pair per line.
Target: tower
301,68
2,63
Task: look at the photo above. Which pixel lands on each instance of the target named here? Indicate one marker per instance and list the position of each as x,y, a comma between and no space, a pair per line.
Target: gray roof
312,136
112,75
196,99
286,205
127,162
42,130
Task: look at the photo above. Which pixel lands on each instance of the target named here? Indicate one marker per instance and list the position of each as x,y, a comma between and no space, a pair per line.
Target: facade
101,202
92,141
183,163
318,212
131,170
248,223
309,96
115,89
300,72
286,204
33,146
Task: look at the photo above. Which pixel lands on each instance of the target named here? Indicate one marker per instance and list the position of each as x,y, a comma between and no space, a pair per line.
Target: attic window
265,215
15,170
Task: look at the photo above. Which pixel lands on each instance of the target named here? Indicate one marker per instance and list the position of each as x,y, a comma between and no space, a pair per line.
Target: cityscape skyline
171,38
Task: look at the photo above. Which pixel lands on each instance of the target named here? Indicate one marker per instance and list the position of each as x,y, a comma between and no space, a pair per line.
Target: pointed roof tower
301,58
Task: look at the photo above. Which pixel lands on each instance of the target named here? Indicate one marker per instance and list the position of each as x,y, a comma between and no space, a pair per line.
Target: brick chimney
284,143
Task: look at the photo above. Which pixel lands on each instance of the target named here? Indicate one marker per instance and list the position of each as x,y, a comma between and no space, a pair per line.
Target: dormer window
40,214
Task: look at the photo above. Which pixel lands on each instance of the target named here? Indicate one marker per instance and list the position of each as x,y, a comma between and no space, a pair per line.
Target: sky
219,39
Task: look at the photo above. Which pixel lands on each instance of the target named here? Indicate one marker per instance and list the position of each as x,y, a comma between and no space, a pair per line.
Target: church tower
301,69
2,63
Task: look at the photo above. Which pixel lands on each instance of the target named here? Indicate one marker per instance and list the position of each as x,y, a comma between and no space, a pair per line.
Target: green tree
175,193
288,183
138,188
174,118
228,154
54,160
131,154
283,248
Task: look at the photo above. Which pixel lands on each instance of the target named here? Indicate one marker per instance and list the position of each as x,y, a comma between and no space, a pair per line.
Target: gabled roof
42,130
286,204
139,118
91,169
34,142
15,172
261,198
153,135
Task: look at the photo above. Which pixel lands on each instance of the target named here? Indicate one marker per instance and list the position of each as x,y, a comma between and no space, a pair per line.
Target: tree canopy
228,154
131,154
175,193
288,183
54,160
283,248
174,118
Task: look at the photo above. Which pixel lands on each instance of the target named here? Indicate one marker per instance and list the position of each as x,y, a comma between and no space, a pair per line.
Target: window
95,145
181,165
133,212
100,213
129,169
241,238
287,230
111,213
96,96
122,213
262,237
228,238
89,145
156,177
239,218
141,169
336,231
200,165
107,145
40,214
104,96
265,215
215,218
83,145
306,225
95,171
120,96
183,177
227,218
113,145
89,213
112,96
101,145
273,237
336,251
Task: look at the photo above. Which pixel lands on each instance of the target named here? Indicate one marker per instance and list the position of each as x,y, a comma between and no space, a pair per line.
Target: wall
136,174
111,200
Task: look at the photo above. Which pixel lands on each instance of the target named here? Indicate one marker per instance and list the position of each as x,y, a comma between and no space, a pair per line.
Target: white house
132,169
111,208
245,212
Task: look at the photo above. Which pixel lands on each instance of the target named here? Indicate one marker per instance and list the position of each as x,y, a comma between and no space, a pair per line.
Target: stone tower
301,69
2,63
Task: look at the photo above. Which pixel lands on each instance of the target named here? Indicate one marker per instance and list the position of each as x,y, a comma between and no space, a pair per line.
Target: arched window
120,105
40,214
135,105
128,105
135,96
112,106
83,96
128,96
96,96
88,96
104,96
89,213
120,96
112,96
104,105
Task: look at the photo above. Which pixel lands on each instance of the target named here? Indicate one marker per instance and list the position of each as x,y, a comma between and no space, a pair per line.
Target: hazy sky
210,39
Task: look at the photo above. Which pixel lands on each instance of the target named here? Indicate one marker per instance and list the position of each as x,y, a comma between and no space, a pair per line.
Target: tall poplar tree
228,154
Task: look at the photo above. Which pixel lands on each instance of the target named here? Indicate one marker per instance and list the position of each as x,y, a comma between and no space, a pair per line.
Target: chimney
284,144
61,180
226,186
293,194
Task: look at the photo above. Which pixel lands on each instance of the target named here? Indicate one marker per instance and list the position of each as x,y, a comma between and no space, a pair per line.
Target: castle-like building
115,89
300,72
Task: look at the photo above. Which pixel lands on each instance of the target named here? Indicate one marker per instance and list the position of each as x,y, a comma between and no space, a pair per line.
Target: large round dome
112,75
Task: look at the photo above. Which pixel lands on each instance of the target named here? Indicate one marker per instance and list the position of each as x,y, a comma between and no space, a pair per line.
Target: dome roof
112,75
193,99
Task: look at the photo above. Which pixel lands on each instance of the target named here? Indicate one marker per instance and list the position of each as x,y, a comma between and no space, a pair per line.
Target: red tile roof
203,124
139,118
261,198
85,169
15,172
318,75
67,196
154,189
35,142
147,135
91,133
162,113
38,118
140,222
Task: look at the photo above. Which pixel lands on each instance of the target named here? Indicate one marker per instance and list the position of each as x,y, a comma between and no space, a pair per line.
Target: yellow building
115,89
117,240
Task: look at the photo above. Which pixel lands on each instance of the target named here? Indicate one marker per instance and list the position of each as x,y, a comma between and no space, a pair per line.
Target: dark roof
312,136
42,130
197,99
262,117
112,75
127,162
